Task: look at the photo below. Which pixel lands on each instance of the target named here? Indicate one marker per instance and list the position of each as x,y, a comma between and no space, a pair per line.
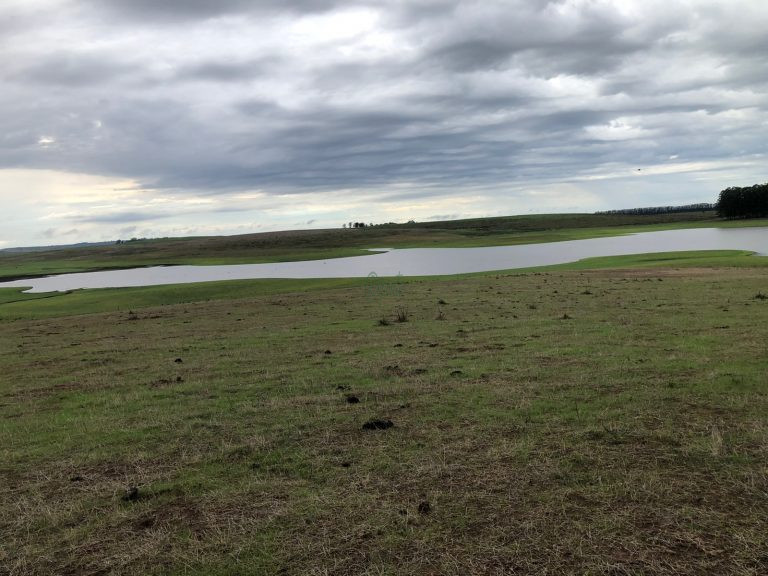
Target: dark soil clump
377,424
131,494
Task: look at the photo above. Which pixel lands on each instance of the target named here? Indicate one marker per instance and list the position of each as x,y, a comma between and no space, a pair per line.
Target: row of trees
380,225
131,240
701,207
749,202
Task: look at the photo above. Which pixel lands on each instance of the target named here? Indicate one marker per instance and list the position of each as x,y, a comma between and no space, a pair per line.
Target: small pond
418,261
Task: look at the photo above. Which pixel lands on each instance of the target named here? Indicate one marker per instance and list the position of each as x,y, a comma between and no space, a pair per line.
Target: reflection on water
419,261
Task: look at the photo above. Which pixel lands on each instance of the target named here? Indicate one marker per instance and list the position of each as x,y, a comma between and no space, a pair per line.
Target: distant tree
344,225
749,202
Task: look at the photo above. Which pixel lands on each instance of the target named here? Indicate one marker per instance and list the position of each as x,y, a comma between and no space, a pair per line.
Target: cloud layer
425,106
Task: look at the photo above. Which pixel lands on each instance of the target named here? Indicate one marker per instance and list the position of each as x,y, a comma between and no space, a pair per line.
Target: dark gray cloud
539,38
222,71
76,70
210,97
119,217
176,11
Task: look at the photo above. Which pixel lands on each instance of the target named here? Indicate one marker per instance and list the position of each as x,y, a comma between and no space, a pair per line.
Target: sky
147,118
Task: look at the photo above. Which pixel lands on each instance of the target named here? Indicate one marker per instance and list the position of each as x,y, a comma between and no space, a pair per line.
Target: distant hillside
25,249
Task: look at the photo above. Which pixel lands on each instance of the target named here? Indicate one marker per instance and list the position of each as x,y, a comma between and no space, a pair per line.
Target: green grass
320,244
683,259
14,304
28,265
17,305
604,421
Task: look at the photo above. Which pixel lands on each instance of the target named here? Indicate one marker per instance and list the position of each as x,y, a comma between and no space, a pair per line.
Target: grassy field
563,421
318,244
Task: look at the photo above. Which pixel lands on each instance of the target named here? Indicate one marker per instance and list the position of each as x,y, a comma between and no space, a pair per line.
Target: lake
418,261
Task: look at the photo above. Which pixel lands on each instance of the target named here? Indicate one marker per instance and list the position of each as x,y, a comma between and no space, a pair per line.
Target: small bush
383,321
761,296
401,314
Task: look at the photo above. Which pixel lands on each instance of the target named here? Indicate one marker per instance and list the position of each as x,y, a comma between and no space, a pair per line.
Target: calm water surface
418,261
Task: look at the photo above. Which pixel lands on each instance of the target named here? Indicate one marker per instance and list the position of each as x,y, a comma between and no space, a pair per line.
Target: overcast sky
124,118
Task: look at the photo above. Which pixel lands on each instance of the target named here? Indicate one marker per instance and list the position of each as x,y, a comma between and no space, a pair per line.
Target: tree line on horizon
733,202
700,207
743,202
